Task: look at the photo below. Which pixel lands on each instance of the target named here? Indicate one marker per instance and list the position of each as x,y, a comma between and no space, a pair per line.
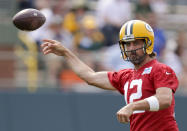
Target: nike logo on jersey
167,73
147,70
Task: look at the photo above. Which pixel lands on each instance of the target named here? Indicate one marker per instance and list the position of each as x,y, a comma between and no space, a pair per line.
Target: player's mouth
133,57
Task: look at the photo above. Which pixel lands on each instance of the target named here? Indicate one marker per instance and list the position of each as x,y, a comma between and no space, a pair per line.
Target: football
29,19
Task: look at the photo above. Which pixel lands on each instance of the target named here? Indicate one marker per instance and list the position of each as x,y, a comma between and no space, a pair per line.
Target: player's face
134,51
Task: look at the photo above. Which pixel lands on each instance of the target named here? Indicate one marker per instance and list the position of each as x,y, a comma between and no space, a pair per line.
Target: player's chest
137,87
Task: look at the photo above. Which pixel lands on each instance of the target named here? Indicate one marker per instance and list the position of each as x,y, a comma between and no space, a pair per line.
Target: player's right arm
99,79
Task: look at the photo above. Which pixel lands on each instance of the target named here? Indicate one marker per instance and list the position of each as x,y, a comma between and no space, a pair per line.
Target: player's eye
127,44
136,43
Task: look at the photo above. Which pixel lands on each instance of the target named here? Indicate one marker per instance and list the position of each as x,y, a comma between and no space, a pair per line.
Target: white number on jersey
136,95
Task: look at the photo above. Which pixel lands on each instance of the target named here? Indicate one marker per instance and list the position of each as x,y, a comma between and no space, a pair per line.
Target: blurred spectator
175,57
68,79
111,15
113,12
54,12
89,41
70,22
24,4
89,38
172,56
160,38
73,18
51,29
182,50
42,4
55,8
53,63
142,9
56,32
159,6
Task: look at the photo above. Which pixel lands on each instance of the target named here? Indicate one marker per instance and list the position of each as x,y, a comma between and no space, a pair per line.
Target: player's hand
53,46
124,114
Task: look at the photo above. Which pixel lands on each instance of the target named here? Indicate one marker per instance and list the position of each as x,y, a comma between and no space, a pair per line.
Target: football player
148,88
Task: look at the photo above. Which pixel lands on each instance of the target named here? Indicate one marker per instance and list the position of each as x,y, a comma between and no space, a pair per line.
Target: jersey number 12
134,96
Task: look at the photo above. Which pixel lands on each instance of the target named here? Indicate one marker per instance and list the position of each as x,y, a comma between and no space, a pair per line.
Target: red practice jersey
139,84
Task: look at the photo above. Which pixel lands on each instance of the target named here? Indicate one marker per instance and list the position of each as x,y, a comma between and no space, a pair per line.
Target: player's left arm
164,97
161,100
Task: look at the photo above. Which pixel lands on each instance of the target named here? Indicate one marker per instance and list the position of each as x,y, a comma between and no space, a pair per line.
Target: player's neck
146,60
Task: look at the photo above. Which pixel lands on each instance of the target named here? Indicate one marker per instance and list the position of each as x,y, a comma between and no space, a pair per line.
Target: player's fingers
45,48
118,117
44,44
122,118
47,52
48,45
50,41
126,120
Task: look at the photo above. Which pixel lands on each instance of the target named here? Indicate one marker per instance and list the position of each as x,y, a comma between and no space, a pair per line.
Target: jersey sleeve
164,76
117,79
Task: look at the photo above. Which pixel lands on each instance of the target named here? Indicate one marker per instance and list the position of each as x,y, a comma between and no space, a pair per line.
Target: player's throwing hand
53,46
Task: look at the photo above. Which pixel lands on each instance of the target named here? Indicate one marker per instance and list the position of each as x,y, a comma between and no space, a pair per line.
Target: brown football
29,19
